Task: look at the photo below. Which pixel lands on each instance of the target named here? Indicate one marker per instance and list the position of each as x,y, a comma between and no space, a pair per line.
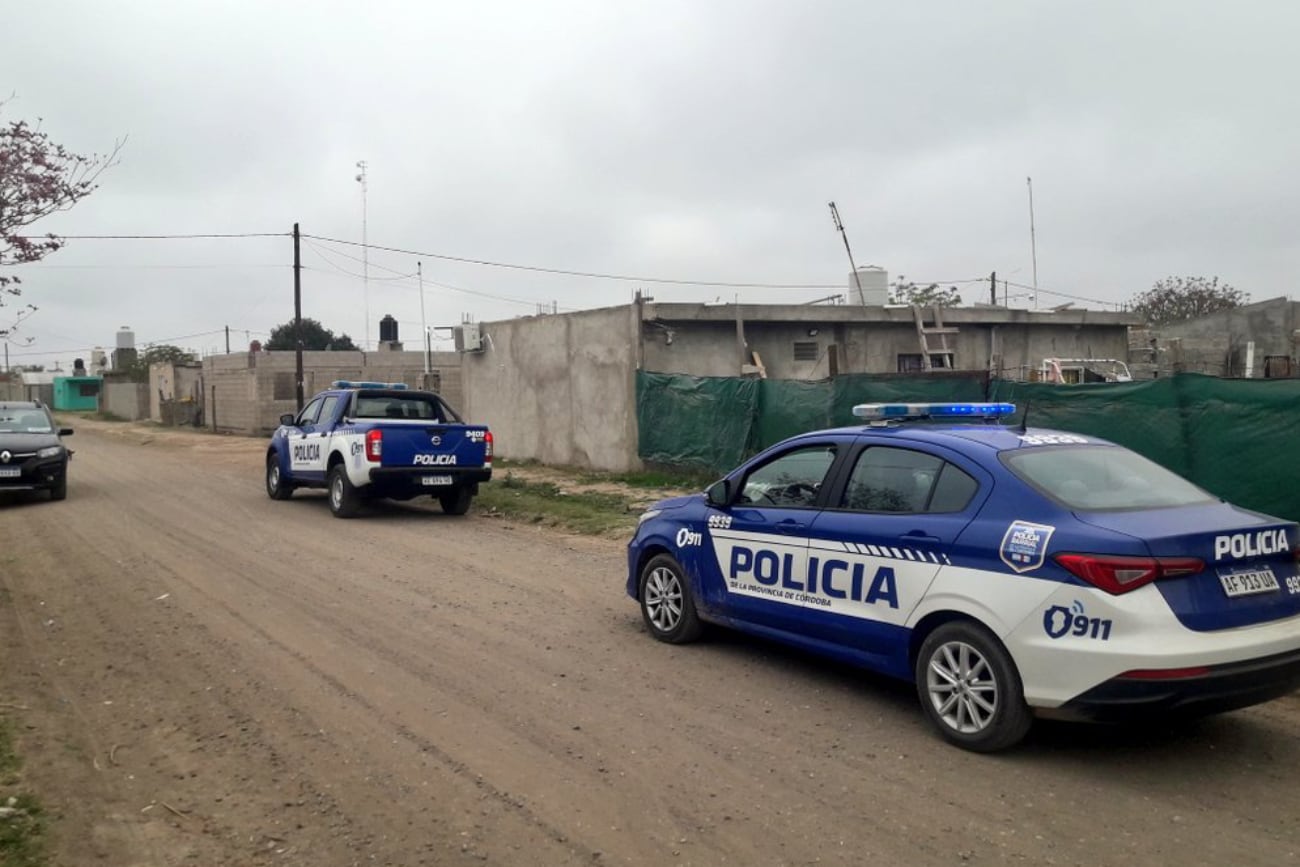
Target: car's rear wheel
970,690
345,502
456,502
666,603
276,486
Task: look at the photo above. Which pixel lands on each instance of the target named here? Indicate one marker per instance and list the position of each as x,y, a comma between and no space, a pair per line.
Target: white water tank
125,338
875,286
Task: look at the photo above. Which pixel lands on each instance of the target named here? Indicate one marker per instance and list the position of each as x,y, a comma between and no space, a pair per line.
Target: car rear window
420,407
1099,478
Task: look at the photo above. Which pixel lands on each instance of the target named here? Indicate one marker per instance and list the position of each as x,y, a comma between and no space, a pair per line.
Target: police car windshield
1100,478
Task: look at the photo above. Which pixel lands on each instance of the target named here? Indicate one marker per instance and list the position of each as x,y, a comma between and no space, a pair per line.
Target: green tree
313,335
139,371
38,177
167,352
926,296
1175,299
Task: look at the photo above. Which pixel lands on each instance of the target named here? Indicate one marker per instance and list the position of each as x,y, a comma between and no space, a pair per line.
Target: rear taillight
374,444
1118,575
487,449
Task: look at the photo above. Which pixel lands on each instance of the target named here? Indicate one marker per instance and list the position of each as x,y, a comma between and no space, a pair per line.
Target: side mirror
718,494
65,431
287,419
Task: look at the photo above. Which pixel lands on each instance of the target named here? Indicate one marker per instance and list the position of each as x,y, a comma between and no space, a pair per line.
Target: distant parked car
32,454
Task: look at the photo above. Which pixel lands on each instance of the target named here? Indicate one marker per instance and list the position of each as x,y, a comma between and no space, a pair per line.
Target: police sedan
1009,573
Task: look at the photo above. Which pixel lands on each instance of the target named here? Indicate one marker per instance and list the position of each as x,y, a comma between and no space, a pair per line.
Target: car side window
309,413
791,480
888,479
329,407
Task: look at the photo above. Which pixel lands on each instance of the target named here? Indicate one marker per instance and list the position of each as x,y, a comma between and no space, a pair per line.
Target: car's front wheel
666,603
345,501
59,490
970,689
276,486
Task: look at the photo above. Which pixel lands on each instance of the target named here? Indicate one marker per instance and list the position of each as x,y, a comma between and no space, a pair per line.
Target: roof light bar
347,383
902,411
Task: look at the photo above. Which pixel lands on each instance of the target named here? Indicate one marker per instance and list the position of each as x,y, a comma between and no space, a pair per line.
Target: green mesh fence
695,421
1235,438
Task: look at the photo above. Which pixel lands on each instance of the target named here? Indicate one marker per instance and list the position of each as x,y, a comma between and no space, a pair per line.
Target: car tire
276,487
59,490
344,499
666,603
456,502
970,689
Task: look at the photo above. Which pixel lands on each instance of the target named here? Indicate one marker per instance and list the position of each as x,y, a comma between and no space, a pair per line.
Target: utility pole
993,288
424,325
227,340
839,227
365,249
297,315
1033,243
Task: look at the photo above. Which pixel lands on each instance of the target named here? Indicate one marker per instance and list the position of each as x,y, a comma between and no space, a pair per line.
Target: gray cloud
678,139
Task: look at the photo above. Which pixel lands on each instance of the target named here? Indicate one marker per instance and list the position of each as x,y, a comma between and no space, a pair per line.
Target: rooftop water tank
874,284
125,338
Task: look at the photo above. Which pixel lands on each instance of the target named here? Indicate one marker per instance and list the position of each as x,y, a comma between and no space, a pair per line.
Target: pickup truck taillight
487,450
374,444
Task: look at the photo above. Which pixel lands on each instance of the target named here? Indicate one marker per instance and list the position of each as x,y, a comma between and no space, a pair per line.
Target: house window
911,362
807,350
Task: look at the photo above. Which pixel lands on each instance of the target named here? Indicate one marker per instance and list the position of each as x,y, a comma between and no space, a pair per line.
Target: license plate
1246,583
435,481
10,472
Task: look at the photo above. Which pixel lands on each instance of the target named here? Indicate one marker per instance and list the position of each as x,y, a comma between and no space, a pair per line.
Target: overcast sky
679,139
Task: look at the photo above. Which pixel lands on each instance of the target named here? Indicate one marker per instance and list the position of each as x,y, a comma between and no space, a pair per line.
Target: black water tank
388,329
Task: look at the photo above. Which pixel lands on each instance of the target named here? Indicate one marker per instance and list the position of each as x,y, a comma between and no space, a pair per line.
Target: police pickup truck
363,440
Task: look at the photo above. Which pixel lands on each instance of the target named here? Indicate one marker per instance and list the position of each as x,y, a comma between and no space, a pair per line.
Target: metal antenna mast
1033,243
839,227
365,249
424,324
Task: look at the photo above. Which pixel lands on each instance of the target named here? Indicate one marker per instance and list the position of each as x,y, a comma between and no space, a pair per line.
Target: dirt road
203,676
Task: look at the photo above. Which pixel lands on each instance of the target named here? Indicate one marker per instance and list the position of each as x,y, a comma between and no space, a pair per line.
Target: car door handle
920,536
789,526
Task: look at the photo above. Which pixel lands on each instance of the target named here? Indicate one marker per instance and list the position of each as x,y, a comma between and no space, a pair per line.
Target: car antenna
1024,419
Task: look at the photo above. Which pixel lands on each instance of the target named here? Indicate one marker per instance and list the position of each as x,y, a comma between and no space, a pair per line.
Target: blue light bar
347,383
902,411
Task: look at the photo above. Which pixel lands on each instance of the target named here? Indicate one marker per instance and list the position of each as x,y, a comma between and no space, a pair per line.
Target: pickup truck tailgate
430,444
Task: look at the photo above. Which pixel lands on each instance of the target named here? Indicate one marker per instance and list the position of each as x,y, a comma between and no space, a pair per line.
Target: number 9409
1293,584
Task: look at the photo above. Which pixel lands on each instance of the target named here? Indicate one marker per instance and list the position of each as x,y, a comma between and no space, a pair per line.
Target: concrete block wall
126,400
248,392
559,389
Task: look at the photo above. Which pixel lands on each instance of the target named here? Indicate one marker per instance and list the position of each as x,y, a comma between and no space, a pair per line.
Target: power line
144,343
1062,294
405,280
594,275
147,267
321,254
158,237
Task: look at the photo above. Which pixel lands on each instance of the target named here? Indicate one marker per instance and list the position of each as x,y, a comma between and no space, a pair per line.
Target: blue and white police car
362,440
1008,572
